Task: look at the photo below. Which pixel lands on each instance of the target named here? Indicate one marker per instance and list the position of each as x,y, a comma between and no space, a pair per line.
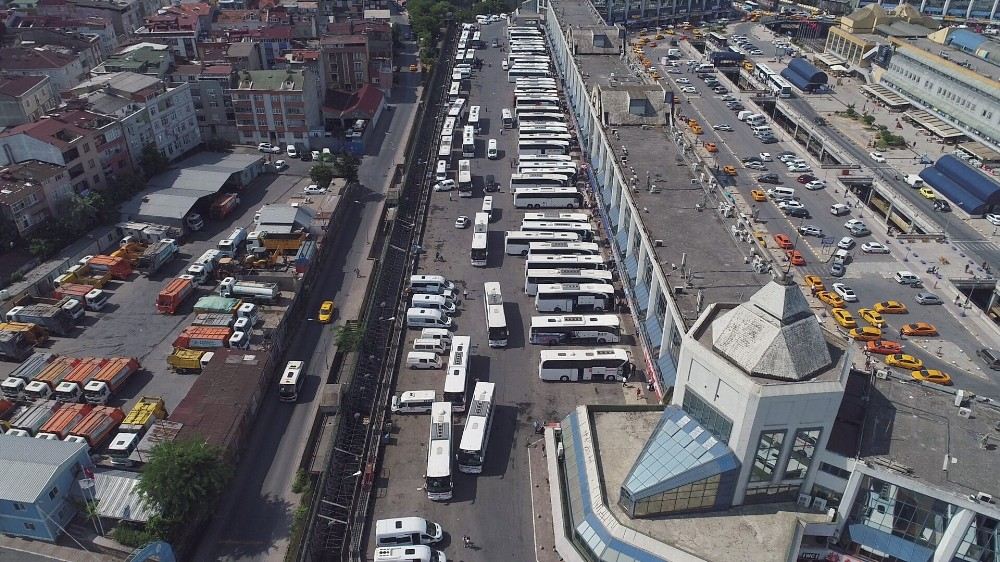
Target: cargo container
157,254
213,303
214,319
174,294
57,319
162,431
254,290
262,241
97,426
44,384
93,299
203,337
189,360
143,414
64,420
109,379
15,346
72,305
118,267
34,416
223,205
71,387
33,332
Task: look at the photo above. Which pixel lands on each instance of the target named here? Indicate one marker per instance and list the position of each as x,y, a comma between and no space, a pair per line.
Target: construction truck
59,319
174,294
189,360
223,205
93,299
109,379
253,290
157,254
15,346
12,387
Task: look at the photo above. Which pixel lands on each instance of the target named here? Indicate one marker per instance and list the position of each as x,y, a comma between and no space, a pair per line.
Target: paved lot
869,275
494,508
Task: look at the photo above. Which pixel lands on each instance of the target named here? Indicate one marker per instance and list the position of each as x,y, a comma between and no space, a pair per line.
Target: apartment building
179,26
64,67
277,106
89,146
210,86
151,59
88,27
241,55
31,193
355,53
149,110
25,98
125,15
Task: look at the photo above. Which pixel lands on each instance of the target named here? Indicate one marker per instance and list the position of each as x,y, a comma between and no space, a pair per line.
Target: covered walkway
935,125
892,100
981,152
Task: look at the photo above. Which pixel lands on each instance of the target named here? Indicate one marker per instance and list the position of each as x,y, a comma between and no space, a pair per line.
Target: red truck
118,267
93,299
63,421
204,337
99,424
223,205
174,294
114,373
71,387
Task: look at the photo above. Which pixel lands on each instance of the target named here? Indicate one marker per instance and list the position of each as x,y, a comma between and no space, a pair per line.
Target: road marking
531,488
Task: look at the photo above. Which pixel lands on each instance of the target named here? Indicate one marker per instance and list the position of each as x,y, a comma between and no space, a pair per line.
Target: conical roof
773,335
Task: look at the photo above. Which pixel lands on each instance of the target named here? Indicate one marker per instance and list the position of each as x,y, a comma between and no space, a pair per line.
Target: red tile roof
17,85
360,105
21,58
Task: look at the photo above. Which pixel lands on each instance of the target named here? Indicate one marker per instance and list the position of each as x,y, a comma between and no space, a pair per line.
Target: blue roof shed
973,191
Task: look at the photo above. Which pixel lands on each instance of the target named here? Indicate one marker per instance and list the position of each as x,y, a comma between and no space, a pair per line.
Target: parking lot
870,275
493,508
129,324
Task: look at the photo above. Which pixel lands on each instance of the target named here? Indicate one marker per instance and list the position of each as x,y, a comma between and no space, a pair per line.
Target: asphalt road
260,497
868,275
493,508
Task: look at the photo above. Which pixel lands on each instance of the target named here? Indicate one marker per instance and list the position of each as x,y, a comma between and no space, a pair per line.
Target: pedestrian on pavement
466,541
958,298
638,393
357,273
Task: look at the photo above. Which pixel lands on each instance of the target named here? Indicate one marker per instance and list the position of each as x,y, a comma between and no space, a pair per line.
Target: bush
302,482
321,174
132,537
868,119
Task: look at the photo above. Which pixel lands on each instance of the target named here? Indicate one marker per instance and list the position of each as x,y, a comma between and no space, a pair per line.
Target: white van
239,340
742,116
430,284
423,360
756,120
408,530
491,150
488,205
442,170
503,64
705,67
439,334
411,402
427,318
781,192
842,256
430,345
419,553
761,129
906,278
435,302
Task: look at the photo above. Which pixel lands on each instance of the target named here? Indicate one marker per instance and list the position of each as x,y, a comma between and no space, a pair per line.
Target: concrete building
179,26
855,40
40,490
355,53
277,106
150,111
25,98
87,46
65,68
90,146
210,93
952,75
244,55
92,29
151,59
643,13
125,15
31,192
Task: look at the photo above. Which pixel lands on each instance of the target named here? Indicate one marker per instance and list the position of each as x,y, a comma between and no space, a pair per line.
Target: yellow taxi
927,193
711,147
729,170
815,283
413,68
919,329
932,375
830,298
903,360
865,333
843,317
758,195
326,312
890,307
871,316
659,37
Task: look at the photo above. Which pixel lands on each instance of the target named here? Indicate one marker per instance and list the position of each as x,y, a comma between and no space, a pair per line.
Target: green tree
9,238
850,112
152,161
348,336
42,247
321,174
346,166
868,119
183,479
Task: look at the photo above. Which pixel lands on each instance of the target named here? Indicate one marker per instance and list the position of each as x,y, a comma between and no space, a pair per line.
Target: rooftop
13,86
143,58
27,466
272,80
913,428
957,61
22,58
25,176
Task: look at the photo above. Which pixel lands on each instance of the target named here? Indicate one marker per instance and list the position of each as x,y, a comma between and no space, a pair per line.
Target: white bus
557,216
474,118
476,433
527,101
545,158
610,364
517,243
535,146
470,56
444,151
574,329
480,252
575,297
448,130
574,261
465,178
543,128
542,117
496,320
455,388
547,198
291,381
469,142
507,118
539,108
477,39
563,136
481,222
437,481
547,168
582,229
528,91
515,72
456,108
454,90
535,277
528,179
563,249
528,57
548,82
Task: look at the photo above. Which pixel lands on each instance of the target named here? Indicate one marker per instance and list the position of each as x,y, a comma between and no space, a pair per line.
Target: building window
771,494
901,512
53,493
709,418
29,526
18,506
765,462
802,453
835,470
980,542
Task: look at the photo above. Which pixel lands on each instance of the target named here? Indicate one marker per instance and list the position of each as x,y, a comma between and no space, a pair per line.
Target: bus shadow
495,239
502,435
515,325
